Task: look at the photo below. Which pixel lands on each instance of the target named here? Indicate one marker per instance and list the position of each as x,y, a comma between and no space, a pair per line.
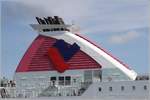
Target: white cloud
94,16
123,38
77,10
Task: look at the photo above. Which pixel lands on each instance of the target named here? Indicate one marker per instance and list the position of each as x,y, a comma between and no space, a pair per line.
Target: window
145,87
88,76
110,88
133,87
61,80
96,73
74,80
67,80
122,88
100,89
53,78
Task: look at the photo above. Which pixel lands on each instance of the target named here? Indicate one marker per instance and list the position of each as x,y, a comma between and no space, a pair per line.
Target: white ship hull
119,90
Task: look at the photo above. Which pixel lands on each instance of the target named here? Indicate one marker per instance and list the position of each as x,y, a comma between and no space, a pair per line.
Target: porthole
145,87
100,89
133,87
110,88
122,88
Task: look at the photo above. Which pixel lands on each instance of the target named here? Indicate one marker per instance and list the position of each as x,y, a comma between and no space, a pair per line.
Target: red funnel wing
36,57
57,60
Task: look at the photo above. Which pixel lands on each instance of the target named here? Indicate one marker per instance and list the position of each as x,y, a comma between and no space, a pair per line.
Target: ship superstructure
60,62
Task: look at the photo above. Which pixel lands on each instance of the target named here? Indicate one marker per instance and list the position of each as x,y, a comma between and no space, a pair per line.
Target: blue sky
119,26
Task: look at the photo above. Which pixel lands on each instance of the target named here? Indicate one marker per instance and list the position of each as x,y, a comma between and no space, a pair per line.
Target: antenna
74,28
50,24
72,22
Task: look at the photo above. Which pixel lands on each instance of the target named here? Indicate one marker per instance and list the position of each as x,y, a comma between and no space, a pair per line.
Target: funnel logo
60,53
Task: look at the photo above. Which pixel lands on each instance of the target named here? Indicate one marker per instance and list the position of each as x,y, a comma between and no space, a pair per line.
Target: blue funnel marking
65,49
